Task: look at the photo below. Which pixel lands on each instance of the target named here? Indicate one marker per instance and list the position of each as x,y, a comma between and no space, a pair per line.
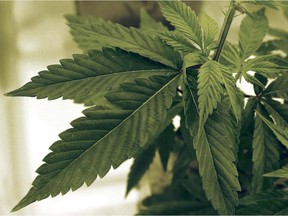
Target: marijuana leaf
280,173
266,65
103,138
210,29
265,153
252,32
130,39
139,167
165,143
88,77
190,100
266,203
278,111
280,133
178,41
209,89
184,19
149,24
215,157
232,91
278,88
230,57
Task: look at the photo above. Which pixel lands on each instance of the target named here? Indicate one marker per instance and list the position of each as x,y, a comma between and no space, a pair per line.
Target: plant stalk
225,29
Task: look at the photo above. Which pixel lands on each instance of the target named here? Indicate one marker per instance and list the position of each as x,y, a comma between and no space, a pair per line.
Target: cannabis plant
230,147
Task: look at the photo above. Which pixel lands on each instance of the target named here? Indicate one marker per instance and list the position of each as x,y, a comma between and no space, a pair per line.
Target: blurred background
33,34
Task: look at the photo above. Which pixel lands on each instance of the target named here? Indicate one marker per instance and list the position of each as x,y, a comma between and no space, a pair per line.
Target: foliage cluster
136,80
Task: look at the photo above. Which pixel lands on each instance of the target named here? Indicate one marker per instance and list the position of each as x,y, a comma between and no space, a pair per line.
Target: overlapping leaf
82,41
209,89
215,144
278,111
265,66
105,137
150,24
230,57
265,154
209,27
252,32
178,41
232,91
266,203
139,167
184,19
280,173
88,77
279,132
130,39
278,88
215,156
190,100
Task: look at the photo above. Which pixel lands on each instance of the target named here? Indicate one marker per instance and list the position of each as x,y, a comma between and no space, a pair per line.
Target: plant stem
225,29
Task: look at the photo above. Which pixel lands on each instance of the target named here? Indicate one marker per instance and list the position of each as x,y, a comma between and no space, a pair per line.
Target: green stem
225,29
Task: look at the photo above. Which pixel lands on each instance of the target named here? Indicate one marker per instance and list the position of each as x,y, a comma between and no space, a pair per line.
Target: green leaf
230,57
209,89
150,24
253,80
87,77
165,143
190,101
179,207
280,133
209,27
278,88
178,41
247,122
266,203
82,41
233,127
131,39
103,138
252,32
139,167
266,65
232,91
278,33
268,3
280,173
184,19
215,157
265,154
257,89
278,111
193,60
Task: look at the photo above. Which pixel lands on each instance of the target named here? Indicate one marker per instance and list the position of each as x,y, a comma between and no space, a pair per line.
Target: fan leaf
232,91
190,101
252,31
215,156
266,65
150,24
279,132
178,41
209,89
278,88
210,29
105,137
130,39
265,154
184,19
280,173
139,167
88,77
